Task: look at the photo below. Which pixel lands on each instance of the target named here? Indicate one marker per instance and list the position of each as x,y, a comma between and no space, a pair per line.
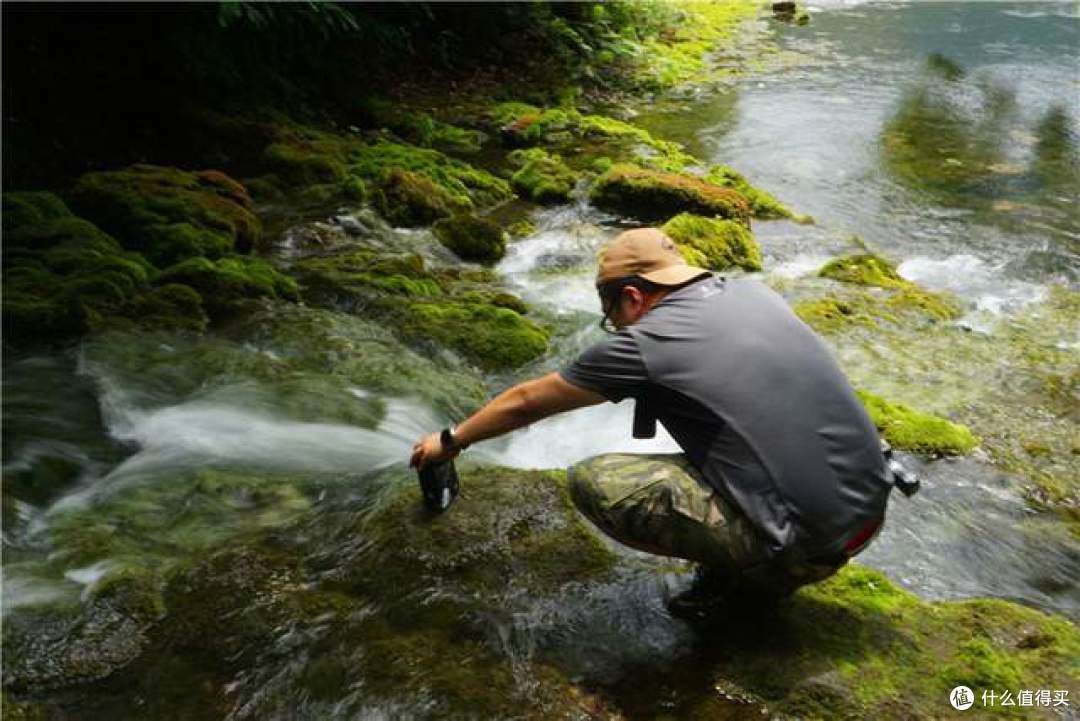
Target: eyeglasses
610,295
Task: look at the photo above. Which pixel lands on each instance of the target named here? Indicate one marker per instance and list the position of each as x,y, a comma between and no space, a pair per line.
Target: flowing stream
124,424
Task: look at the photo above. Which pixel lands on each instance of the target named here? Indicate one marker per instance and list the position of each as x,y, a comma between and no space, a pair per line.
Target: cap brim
674,274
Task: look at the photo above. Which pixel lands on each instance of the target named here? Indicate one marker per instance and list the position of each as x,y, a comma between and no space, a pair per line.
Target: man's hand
429,449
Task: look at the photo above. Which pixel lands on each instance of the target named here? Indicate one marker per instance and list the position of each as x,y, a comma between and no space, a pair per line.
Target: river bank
261,350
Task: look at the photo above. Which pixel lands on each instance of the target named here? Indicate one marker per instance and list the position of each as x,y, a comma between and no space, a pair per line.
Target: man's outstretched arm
514,408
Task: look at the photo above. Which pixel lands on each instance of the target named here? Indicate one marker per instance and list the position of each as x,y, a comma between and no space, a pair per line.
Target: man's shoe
703,599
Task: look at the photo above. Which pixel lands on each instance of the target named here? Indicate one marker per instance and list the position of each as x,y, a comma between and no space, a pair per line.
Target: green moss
359,271
521,229
409,199
225,282
493,338
863,270
651,195
832,314
471,237
65,277
762,203
145,205
542,177
714,244
135,591
463,185
907,298
523,124
31,208
170,306
908,429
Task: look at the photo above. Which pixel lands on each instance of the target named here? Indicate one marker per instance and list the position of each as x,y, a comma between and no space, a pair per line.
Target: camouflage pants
660,504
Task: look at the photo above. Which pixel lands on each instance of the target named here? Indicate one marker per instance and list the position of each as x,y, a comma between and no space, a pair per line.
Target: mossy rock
366,273
905,297
462,186
714,244
543,178
864,269
169,214
908,429
227,281
651,195
524,124
832,314
31,208
493,338
409,199
170,306
762,203
64,277
471,237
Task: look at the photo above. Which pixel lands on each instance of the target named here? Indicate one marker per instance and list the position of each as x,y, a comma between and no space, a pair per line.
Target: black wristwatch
448,442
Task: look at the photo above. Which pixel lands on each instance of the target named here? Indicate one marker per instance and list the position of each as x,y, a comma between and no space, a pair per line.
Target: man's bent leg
660,504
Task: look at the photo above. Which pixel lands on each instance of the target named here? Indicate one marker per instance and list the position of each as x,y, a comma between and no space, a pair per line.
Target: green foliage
911,430
542,177
652,195
471,237
714,244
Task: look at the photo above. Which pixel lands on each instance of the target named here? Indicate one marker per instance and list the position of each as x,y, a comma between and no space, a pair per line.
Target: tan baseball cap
648,253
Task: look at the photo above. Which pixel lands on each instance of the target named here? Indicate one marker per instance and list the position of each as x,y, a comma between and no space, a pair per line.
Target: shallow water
131,435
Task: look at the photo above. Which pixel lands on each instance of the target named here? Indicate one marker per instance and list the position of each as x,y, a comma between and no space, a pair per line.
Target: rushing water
124,425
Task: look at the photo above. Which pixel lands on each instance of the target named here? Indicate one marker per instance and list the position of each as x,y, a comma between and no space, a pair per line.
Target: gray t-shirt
758,405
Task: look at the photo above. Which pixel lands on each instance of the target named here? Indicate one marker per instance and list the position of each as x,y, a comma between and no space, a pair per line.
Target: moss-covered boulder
908,429
543,177
226,282
491,337
170,307
410,200
65,276
714,244
863,269
471,237
31,208
652,195
762,203
168,214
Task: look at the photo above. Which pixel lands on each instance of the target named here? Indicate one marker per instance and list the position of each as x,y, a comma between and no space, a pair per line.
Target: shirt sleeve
613,368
